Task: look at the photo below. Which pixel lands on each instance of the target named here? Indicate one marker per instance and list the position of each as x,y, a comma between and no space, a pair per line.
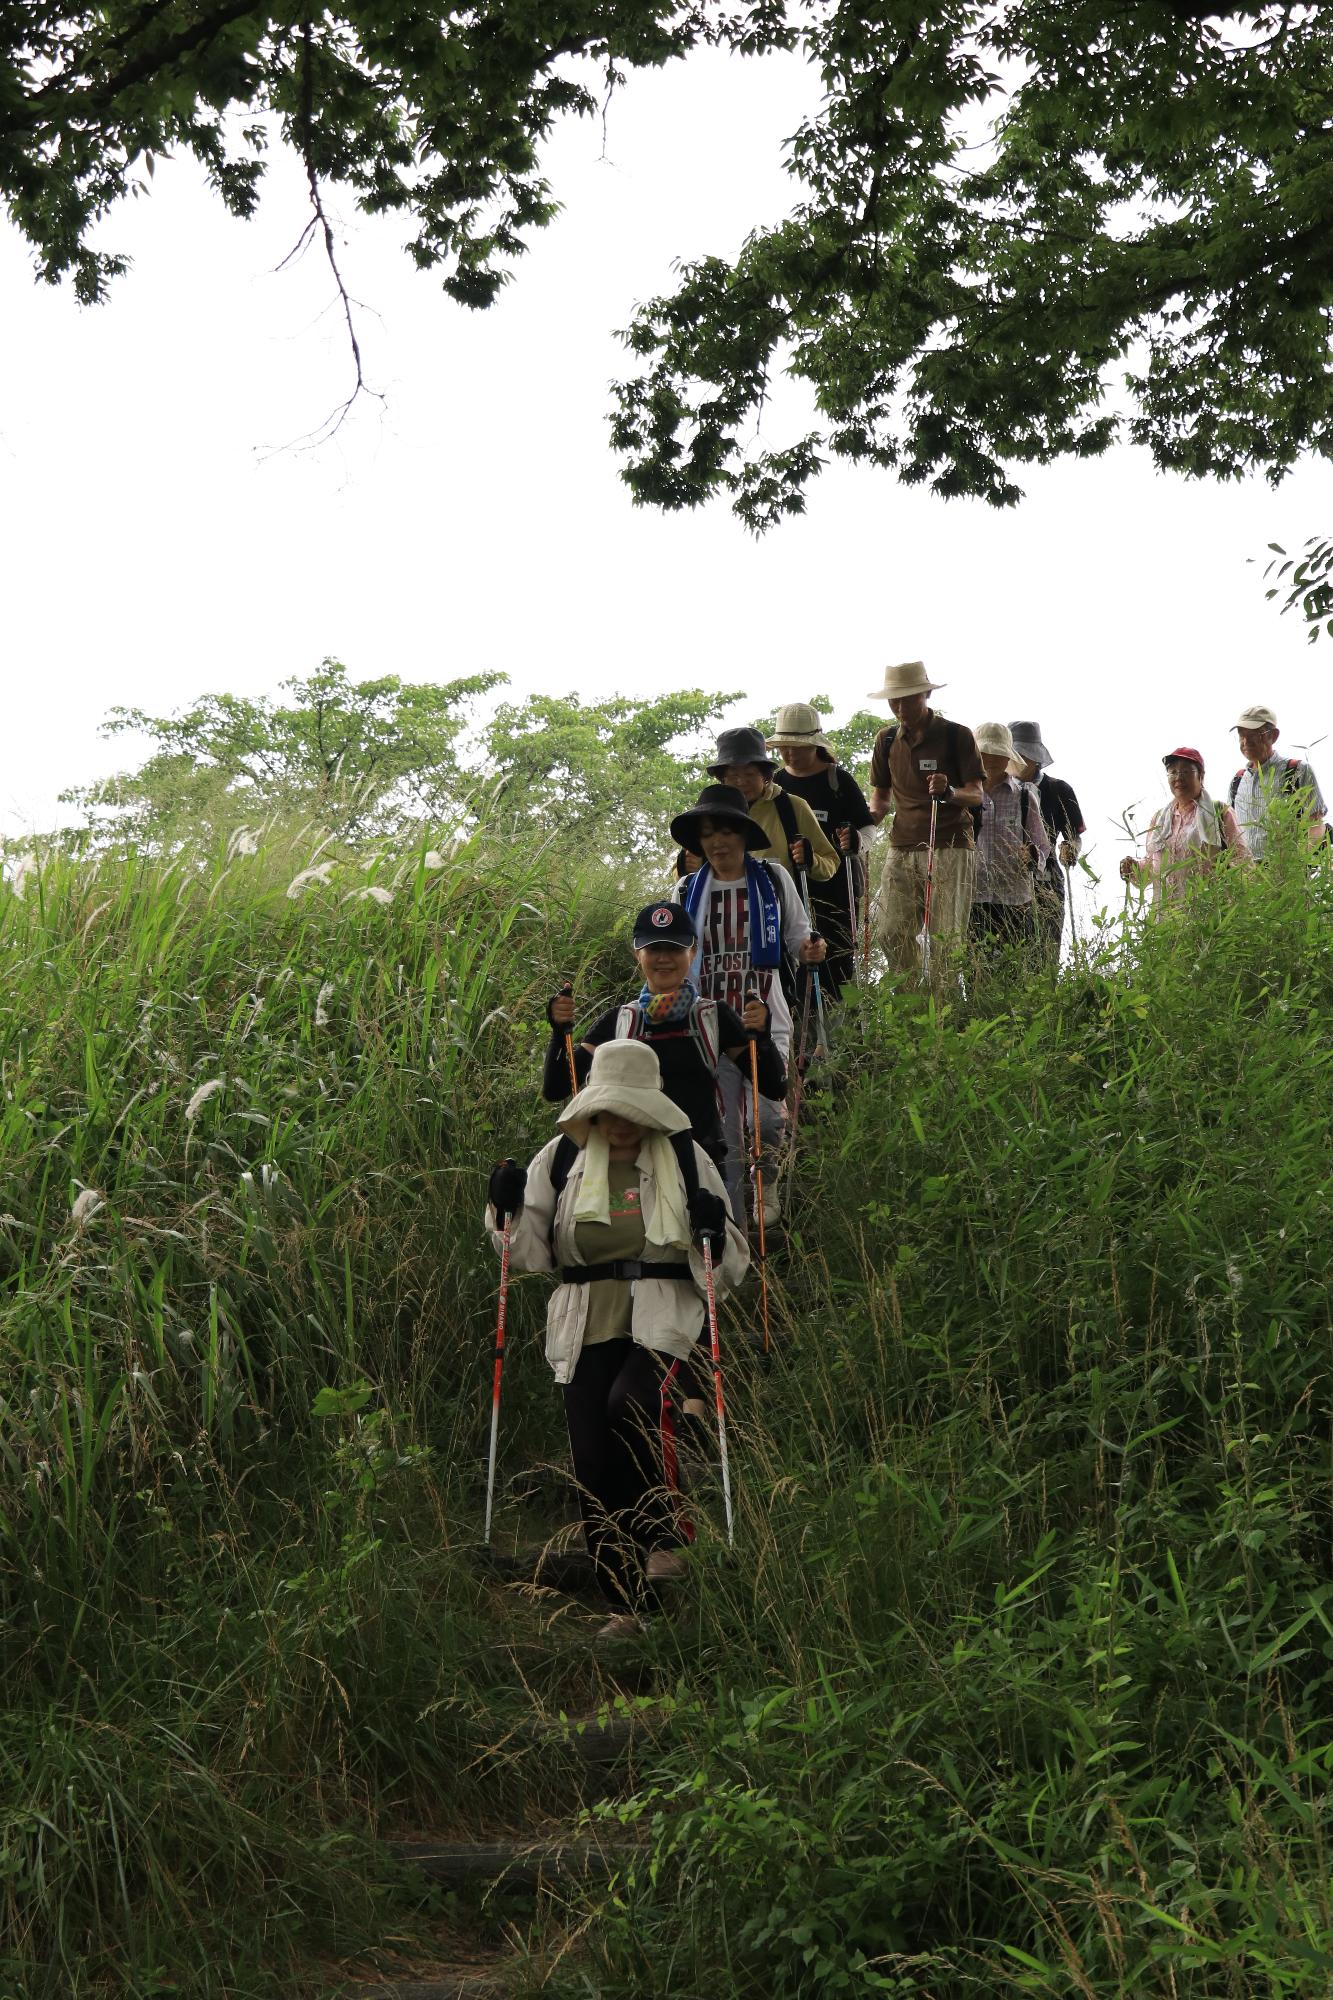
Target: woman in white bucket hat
618,1206
810,770
1012,843
925,771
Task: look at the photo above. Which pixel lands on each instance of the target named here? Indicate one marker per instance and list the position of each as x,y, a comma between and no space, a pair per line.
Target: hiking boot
621,1625
664,1565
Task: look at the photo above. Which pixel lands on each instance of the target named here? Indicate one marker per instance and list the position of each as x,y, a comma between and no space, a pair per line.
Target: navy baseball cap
664,923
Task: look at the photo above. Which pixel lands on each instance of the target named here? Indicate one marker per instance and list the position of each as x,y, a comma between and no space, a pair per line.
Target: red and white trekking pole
716,1352
930,883
499,1371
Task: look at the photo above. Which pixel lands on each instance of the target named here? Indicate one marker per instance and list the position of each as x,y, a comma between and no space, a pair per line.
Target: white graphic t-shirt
726,973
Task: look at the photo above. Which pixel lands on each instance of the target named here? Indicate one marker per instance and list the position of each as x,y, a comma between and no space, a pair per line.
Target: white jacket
666,1314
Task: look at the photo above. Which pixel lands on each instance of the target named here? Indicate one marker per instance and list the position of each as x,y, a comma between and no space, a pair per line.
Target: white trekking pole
717,1391
924,939
499,1370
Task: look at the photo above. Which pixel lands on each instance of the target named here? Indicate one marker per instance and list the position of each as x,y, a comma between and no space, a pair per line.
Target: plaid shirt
1004,848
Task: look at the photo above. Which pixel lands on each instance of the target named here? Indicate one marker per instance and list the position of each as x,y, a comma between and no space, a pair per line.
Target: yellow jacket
825,859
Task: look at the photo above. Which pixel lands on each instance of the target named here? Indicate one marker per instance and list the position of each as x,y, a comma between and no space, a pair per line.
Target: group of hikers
678,1101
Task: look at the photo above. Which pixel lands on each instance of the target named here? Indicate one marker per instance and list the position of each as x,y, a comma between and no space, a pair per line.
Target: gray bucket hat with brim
740,746
1028,744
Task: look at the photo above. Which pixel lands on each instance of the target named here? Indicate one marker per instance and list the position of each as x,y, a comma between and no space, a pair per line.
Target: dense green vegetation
1019,1678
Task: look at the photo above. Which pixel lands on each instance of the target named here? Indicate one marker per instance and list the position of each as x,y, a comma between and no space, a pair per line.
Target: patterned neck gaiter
660,1009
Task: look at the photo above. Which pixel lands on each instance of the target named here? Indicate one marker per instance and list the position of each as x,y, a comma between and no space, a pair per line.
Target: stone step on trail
461,1985
515,1867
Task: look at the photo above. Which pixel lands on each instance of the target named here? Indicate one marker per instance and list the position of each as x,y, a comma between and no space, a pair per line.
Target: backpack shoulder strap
682,1145
626,1022
1234,786
1290,777
703,1027
787,814
566,1153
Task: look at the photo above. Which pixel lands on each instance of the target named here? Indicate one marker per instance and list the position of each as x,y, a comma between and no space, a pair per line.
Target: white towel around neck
670,1229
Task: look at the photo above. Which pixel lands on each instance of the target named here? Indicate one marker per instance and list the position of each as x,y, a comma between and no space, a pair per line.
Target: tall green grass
242,1363
1019,1679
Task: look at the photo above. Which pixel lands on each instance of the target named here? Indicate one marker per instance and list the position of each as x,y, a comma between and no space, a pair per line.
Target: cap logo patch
661,919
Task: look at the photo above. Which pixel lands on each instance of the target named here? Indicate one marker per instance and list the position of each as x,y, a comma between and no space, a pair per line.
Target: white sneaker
664,1565
772,1202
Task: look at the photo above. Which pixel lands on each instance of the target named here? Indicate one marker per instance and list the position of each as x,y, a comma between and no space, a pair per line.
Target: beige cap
909,678
1255,718
797,727
626,1080
995,739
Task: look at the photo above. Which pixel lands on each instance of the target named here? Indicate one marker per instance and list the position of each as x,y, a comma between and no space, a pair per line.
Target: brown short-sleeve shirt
903,769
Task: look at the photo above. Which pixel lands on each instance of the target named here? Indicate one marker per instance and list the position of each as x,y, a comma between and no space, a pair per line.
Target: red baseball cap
1185,755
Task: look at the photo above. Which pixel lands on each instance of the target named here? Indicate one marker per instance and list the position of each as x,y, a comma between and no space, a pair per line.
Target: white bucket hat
624,1079
994,738
798,727
909,678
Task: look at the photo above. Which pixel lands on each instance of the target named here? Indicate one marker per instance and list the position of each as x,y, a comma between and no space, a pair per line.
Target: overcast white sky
155,549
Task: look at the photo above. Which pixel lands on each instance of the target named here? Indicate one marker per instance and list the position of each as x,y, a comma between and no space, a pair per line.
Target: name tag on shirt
927,764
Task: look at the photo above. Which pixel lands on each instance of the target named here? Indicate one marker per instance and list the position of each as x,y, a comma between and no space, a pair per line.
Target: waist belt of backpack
623,1268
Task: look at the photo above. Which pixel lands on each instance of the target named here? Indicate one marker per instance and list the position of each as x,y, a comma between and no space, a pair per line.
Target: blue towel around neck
765,910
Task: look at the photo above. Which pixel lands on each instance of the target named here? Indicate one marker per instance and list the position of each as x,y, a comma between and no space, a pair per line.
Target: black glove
505,1190
708,1220
563,994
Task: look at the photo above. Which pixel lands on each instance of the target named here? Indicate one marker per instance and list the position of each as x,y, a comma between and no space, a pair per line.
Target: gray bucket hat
740,746
1028,744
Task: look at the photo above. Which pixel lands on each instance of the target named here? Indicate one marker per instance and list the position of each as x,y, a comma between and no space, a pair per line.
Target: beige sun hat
1255,718
798,727
625,1079
995,739
909,678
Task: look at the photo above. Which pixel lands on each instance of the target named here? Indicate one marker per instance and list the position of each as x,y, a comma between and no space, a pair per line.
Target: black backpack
952,731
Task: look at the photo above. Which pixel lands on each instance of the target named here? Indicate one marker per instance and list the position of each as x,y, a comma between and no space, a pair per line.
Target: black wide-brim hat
720,802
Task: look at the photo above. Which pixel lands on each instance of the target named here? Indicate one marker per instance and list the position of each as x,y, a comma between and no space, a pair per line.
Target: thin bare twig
320,226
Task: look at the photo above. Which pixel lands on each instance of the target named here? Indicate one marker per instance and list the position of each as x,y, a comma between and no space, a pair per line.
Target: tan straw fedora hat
798,727
909,678
624,1079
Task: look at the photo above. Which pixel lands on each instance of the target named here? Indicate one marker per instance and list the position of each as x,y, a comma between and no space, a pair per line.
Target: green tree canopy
369,758
611,773
362,755
1021,230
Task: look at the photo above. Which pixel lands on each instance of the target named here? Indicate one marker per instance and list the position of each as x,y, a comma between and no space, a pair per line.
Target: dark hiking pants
614,1411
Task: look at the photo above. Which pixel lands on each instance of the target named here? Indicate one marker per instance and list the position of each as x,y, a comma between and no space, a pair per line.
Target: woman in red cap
1190,834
